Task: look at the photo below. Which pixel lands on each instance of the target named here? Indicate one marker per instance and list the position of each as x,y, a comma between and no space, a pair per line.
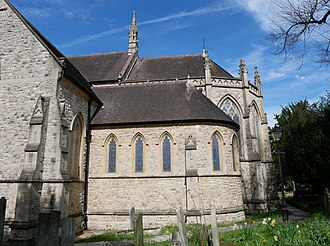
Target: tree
301,25
306,143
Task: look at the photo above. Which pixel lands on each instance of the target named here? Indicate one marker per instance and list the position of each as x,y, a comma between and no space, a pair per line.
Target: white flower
297,226
264,221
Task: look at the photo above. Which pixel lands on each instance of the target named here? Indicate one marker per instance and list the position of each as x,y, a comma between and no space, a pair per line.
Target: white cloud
39,13
299,77
214,8
262,10
272,75
256,56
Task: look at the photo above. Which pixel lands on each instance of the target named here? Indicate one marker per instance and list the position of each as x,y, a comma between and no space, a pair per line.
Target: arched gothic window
166,154
112,155
139,154
254,125
229,107
216,152
75,140
234,147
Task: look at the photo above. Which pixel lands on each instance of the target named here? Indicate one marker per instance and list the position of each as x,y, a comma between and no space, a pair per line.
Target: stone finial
243,73
205,53
133,37
256,76
207,62
207,67
257,80
242,66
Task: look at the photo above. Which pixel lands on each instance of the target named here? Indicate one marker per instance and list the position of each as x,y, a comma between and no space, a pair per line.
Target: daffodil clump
315,231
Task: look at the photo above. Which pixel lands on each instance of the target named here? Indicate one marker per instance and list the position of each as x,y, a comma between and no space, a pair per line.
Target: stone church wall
257,170
27,71
32,82
154,192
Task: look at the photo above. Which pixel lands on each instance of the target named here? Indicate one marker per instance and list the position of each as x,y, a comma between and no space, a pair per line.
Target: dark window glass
166,154
139,155
112,156
215,153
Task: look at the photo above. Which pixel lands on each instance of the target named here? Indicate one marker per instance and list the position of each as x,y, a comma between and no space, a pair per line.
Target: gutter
88,142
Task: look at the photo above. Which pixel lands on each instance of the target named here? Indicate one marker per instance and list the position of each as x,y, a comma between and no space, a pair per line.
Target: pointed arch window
235,153
112,155
255,135
166,148
138,154
75,144
230,108
216,152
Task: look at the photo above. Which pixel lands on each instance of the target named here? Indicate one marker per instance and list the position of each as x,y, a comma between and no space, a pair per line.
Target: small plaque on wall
190,143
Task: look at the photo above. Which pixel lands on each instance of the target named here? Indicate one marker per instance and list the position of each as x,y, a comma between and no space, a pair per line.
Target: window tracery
230,108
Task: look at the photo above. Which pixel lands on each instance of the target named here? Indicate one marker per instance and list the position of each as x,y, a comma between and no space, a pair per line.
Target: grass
107,236
271,214
311,231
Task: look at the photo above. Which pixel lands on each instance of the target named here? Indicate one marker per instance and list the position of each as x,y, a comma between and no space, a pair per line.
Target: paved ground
297,215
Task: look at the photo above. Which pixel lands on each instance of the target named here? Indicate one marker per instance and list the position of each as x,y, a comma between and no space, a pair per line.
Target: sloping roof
100,67
69,69
156,103
172,67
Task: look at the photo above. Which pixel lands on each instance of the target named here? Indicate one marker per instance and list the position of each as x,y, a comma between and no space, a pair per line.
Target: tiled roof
172,67
100,67
156,103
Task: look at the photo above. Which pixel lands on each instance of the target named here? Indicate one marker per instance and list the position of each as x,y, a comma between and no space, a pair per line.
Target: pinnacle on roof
133,36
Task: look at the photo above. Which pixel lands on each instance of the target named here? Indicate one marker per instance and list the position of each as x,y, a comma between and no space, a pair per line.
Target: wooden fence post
182,227
132,217
138,230
215,234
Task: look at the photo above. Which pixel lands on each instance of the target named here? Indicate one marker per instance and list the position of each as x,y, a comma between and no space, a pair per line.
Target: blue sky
232,29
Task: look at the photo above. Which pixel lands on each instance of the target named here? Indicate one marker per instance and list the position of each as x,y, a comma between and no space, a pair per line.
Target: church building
93,136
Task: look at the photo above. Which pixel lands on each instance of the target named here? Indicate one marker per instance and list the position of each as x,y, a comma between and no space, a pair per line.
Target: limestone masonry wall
154,192
27,71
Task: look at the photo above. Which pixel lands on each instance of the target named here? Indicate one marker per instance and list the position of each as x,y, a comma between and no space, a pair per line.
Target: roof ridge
98,54
128,84
174,56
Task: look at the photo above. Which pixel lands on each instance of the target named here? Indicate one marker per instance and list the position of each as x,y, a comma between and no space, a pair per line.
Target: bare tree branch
302,26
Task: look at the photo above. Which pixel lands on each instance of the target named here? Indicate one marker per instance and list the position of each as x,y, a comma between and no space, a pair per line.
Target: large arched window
75,145
139,154
216,152
112,157
166,149
235,153
230,108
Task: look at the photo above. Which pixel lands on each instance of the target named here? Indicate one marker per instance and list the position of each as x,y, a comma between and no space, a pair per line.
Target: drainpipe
88,142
